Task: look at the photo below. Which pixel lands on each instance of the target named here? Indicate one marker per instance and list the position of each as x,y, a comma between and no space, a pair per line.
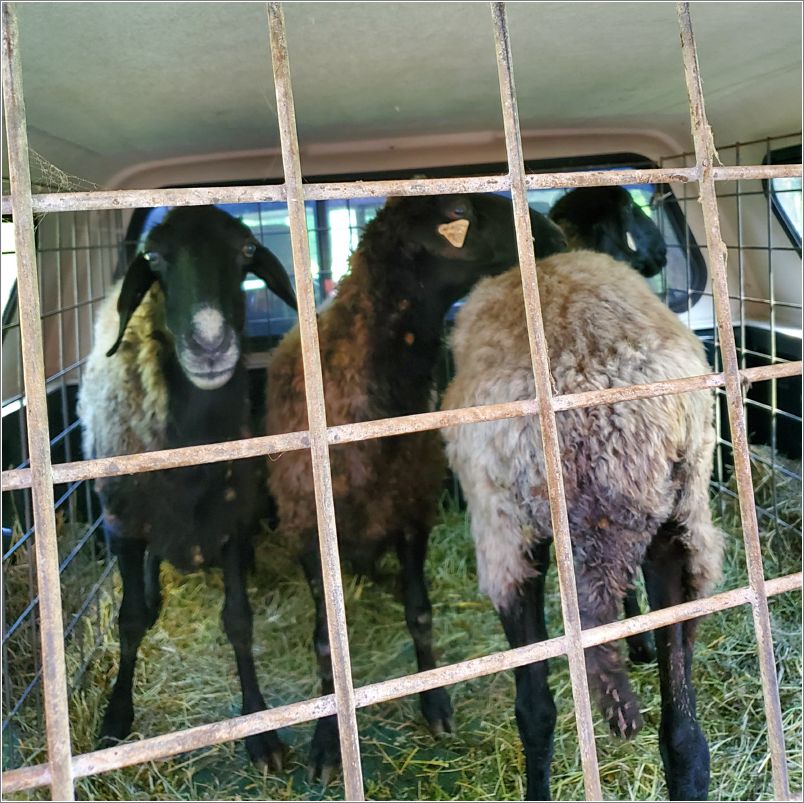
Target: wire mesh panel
74,271
68,304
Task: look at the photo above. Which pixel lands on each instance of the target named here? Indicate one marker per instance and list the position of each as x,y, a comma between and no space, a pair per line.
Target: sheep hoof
266,751
437,710
624,718
117,722
641,653
641,649
325,751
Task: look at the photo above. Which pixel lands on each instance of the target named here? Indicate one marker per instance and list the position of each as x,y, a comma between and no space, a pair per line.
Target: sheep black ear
138,280
270,270
548,238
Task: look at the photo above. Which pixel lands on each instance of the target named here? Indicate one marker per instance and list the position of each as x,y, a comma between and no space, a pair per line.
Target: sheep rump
628,468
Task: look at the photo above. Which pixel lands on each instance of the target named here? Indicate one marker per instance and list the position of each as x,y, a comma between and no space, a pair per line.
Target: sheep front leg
523,622
264,749
412,550
153,590
685,754
132,623
325,750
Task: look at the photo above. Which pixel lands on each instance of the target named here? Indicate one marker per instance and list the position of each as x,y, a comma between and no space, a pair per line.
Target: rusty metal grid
62,767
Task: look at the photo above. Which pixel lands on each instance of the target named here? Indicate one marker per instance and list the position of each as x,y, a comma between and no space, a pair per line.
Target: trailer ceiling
109,86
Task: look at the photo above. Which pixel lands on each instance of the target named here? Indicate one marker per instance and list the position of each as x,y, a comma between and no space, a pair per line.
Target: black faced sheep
166,371
607,219
380,341
636,477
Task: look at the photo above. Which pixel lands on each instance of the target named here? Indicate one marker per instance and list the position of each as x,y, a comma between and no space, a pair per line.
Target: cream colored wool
123,401
623,465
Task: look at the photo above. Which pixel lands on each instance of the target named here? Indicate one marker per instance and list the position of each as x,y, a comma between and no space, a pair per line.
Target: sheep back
628,467
380,486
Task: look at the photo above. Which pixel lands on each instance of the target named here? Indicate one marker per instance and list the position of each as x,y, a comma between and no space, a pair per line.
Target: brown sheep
380,341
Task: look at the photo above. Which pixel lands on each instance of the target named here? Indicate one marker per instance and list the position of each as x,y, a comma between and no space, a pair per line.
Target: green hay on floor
186,677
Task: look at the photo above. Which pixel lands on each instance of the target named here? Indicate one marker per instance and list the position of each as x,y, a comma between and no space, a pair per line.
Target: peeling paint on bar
198,196
171,744
316,412
706,155
54,674
543,383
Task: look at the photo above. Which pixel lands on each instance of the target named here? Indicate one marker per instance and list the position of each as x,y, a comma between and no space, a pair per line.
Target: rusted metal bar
705,155
284,716
327,191
547,420
17,479
51,628
316,412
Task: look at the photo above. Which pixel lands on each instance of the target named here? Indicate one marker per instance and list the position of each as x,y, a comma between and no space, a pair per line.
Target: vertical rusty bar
316,412
547,419
47,557
705,155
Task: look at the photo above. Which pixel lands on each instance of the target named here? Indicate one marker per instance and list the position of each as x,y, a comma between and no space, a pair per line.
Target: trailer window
785,193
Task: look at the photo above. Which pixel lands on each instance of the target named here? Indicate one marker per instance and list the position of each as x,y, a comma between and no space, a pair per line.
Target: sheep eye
154,258
249,249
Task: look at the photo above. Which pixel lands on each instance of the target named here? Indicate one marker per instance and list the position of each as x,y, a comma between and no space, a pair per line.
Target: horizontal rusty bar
158,747
332,190
17,479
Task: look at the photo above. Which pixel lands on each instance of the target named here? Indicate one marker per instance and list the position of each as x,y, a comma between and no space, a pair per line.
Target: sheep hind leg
264,749
132,624
601,589
683,747
523,622
412,550
325,750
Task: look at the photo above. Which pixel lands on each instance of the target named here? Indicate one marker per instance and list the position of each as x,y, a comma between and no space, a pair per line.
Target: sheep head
607,219
455,240
199,256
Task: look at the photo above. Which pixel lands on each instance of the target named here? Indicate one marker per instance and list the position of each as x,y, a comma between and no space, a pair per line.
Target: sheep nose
209,330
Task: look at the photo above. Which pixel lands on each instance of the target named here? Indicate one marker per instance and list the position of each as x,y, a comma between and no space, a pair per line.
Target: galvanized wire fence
41,476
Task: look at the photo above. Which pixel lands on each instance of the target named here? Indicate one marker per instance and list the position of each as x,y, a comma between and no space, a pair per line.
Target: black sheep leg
263,748
412,550
640,646
523,622
153,589
132,623
325,750
685,753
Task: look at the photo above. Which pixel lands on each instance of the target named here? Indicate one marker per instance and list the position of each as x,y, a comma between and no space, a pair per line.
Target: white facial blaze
208,323
629,239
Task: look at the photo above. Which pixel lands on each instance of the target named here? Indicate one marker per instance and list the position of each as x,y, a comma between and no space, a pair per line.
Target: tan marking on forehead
454,232
230,494
197,555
